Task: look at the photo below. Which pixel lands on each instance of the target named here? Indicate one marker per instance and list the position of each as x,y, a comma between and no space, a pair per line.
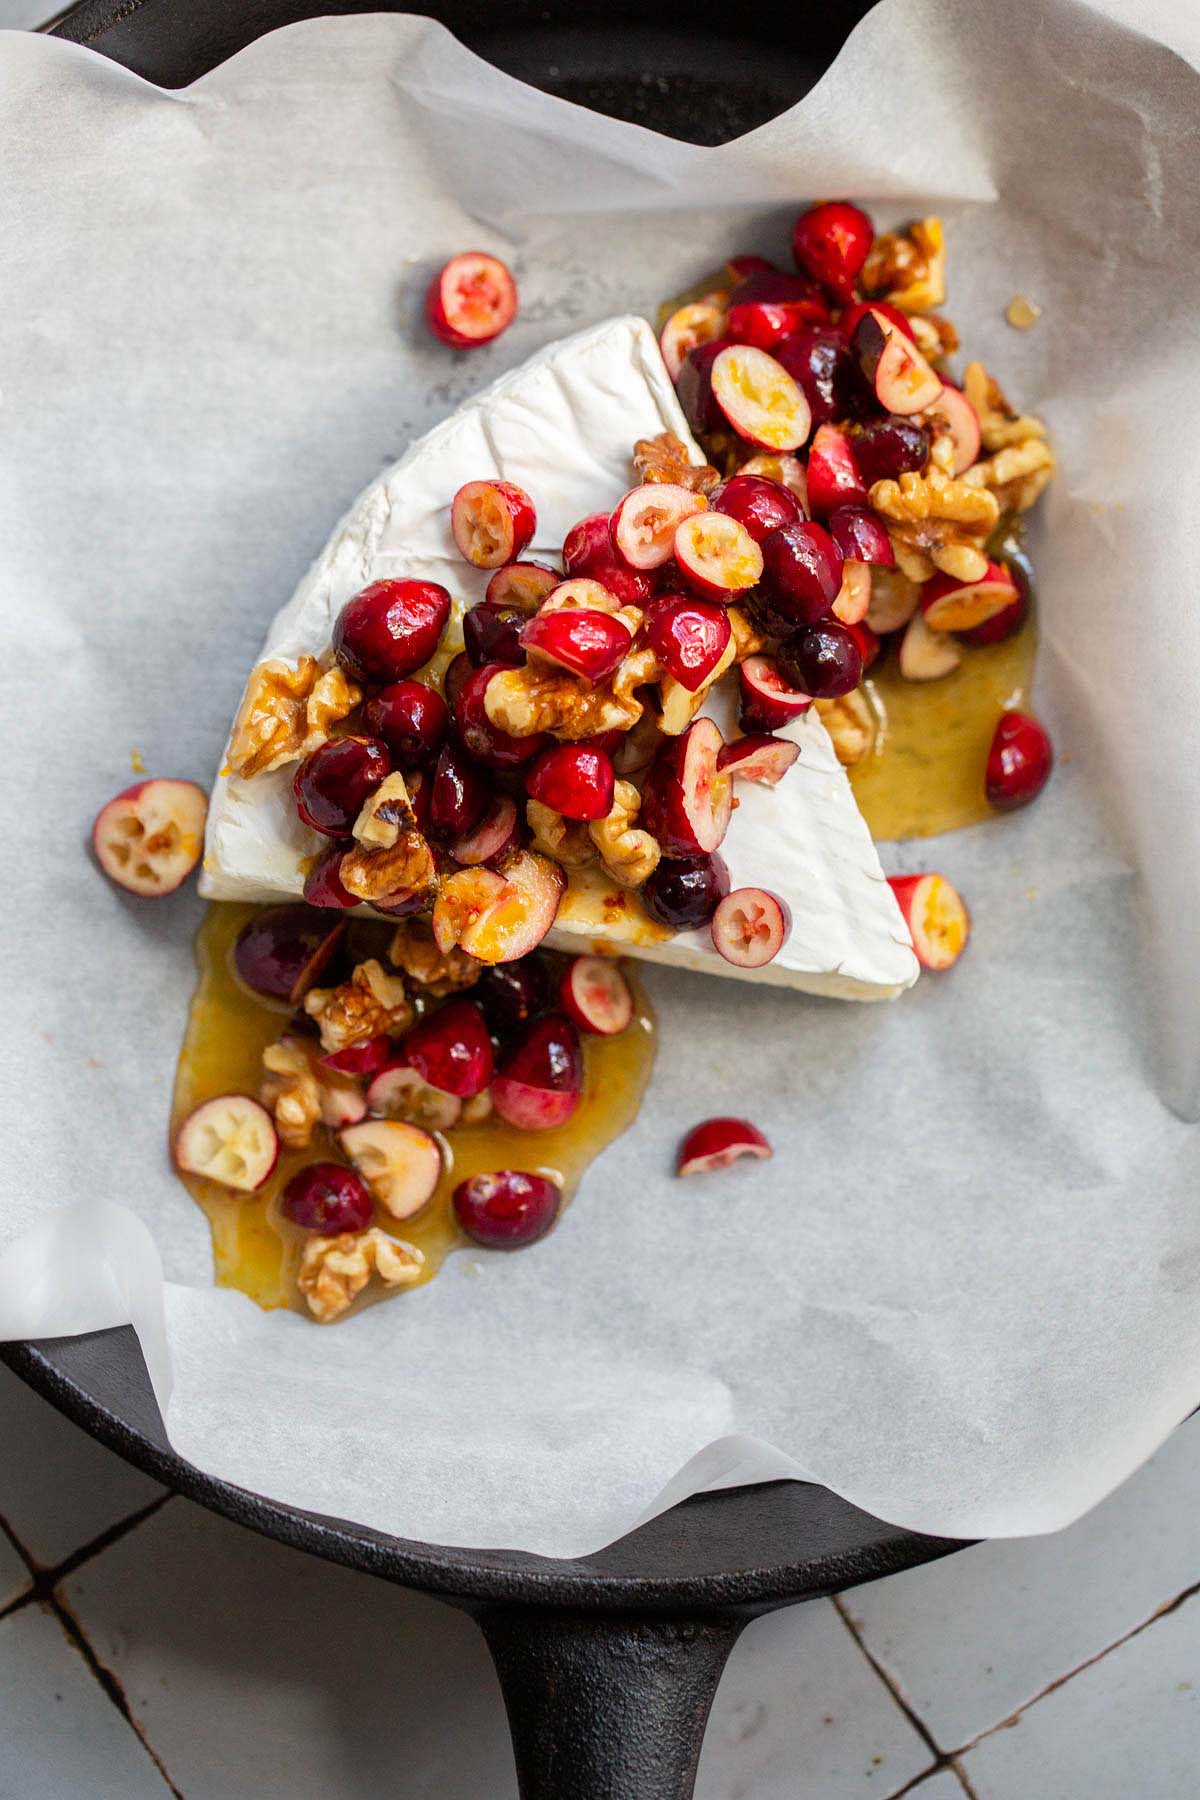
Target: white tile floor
178,1653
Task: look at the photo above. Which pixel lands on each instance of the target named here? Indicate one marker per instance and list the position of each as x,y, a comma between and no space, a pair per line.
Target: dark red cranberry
328,1198
512,993
458,672
281,951
390,629
576,780
1019,761
887,448
694,386
323,886
492,634
823,660
506,1209
410,718
459,794
760,505
684,893
451,1049
483,740
802,571
331,785
538,1082
819,359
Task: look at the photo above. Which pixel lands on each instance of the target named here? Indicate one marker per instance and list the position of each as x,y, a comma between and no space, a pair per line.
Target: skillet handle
607,1706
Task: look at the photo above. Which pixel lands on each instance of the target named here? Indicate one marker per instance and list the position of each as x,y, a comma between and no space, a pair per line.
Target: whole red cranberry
695,389
802,571
280,951
576,780
761,506
451,1049
492,634
887,448
819,359
331,785
410,718
684,893
390,629
512,993
589,550
1019,761
459,794
823,660
506,1209
830,242
325,1197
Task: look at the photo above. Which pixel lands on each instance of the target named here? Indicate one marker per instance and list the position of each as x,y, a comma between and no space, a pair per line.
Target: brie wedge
563,427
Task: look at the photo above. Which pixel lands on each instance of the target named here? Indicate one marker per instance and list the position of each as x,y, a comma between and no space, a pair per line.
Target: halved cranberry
937,919
834,476
1004,624
398,1092
759,757
499,917
484,741
867,640
512,993
229,1139
390,629
900,377
926,655
766,700
521,586
281,951
854,596
848,320
759,399
885,449
643,524
498,831
331,785
506,1209
962,422
819,359
596,995
687,802
492,522
410,718
684,892
471,300
697,323
861,535
717,556
715,1143
1019,761
589,550
329,1198
538,1082
948,604
694,386
802,571
830,242
492,634
750,927
323,886
757,504
458,794
451,1049
149,837
574,779
586,643
366,1058
823,659
689,637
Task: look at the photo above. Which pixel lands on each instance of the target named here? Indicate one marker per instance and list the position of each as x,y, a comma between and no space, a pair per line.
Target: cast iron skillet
609,1662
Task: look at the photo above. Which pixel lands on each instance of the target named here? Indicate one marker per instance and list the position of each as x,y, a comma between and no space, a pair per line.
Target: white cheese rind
563,426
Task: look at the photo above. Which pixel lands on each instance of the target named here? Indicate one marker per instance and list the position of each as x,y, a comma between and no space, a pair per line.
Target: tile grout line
914,1719
108,1683
44,1581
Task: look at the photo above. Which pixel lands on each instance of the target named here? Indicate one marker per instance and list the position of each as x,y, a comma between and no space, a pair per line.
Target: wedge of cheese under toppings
563,427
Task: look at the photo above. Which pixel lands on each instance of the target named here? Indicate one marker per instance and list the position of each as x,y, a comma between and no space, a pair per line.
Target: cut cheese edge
563,426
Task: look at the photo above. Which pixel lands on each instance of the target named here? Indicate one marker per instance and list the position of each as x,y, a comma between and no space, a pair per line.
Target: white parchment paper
965,1292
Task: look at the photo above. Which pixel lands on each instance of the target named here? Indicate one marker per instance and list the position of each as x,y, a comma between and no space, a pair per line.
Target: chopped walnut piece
850,723
935,335
286,713
999,425
392,873
565,841
630,855
436,972
1021,461
370,1003
298,1091
748,640
335,1270
934,520
385,814
908,268
665,458
539,698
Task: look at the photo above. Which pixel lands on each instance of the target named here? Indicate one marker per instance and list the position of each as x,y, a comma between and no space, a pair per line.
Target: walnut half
630,855
286,713
299,1092
665,458
371,1003
335,1270
437,972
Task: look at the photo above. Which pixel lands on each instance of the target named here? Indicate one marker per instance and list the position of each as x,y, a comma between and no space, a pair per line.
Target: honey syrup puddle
256,1250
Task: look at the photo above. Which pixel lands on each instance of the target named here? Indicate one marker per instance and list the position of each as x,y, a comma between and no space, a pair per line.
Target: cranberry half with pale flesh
848,320
802,571
759,757
497,832
766,701
750,927
830,242
389,629
759,399
717,556
758,505
400,1162
900,378
492,522
824,660
697,323
331,786
1019,761
715,1143
506,1209
539,1080
328,1198
280,952
589,550
410,718
471,300
574,780
643,524
687,802
937,919
596,995
231,1140
683,893
521,586
149,838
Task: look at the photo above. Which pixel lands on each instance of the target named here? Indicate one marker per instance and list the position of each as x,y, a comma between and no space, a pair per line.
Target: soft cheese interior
563,426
